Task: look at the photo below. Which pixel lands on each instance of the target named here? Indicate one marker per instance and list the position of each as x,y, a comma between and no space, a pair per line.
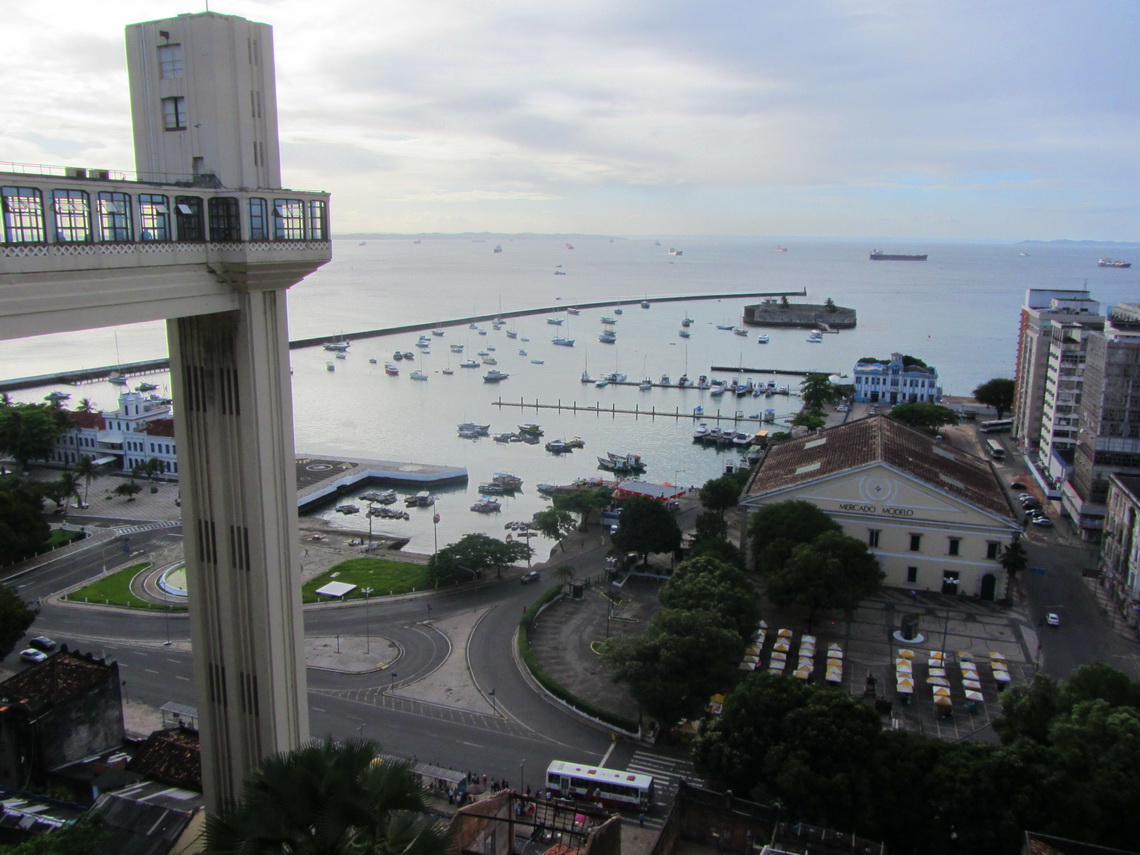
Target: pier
613,410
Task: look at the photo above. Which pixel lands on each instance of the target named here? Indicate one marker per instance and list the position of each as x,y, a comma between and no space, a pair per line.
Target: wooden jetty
613,410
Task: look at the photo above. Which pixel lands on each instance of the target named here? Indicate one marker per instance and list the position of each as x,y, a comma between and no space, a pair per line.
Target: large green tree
554,524
677,664
834,571
720,494
817,390
927,418
646,526
15,618
87,835
328,798
86,469
23,530
996,393
716,586
585,502
29,431
777,529
472,555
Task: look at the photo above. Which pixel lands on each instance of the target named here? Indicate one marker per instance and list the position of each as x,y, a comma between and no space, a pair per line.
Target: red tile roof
58,679
171,757
159,427
88,420
881,439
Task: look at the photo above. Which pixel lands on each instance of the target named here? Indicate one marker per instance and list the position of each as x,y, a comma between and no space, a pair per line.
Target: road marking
472,744
176,677
318,709
150,670
175,661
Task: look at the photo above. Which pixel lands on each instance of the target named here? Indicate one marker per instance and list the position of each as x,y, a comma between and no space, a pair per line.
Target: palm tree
85,468
68,486
86,405
328,798
1014,559
6,400
565,573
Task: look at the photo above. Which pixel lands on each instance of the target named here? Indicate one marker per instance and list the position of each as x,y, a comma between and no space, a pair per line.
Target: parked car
1031,505
1021,497
33,655
842,408
1016,485
42,642
1043,521
1053,619
528,577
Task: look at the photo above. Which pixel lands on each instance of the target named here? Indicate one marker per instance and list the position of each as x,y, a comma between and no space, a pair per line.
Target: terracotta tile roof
172,757
875,439
58,679
87,420
159,427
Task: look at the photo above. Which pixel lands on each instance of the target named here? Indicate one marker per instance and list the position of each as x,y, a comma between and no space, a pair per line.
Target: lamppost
494,705
392,681
367,623
371,506
435,533
522,775
165,613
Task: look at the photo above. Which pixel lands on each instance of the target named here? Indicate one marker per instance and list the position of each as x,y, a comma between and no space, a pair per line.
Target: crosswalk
151,526
667,774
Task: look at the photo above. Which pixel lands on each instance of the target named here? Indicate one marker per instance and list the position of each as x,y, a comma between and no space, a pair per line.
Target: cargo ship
1108,262
886,256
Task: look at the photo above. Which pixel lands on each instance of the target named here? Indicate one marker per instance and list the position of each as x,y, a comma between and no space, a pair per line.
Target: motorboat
683,333
522,351
618,311
117,378
573,310
469,363
397,356
555,321
666,380
56,397
607,338
606,319
372,360
602,383
684,381
586,378
409,355
687,321
762,339
531,428
814,338
645,385
418,375
142,387
645,304
348,509
717,388
701,432
558,446
490,360
703,382
739,331
391,369
437,332
483,430
494,376
562,342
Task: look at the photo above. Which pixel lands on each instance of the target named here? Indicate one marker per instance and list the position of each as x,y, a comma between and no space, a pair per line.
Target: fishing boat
339,344
494,376
531,428
607,338
558,446
621,463
391,369
486,505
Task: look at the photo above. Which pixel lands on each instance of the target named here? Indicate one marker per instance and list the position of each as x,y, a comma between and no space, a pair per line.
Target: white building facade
1120,548
895,382
141,428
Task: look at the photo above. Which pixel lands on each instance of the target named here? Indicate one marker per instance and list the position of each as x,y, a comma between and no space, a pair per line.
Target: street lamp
494,705
392,680
522,775
371,506
367,624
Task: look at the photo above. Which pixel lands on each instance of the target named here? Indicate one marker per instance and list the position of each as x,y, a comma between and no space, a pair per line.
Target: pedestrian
641,819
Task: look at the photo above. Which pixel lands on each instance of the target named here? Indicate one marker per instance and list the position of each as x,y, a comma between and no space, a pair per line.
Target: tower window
169,61
174,113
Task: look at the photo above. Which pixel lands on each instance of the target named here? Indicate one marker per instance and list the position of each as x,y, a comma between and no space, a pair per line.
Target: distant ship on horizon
886,256
1109,262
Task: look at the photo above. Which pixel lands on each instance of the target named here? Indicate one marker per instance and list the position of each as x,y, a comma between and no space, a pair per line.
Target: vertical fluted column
234,422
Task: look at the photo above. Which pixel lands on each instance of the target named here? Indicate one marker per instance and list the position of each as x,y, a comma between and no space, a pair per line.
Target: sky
953,120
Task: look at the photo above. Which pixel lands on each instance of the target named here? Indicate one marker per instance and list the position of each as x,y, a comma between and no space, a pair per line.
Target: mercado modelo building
936,518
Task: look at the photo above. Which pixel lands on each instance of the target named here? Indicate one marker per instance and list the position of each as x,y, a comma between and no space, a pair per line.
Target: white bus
996,426
576,782
995,450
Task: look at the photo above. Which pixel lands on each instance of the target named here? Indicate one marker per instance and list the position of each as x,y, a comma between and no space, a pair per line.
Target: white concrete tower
203,100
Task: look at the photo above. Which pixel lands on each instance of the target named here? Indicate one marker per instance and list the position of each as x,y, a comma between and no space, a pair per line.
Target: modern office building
1043,309
935,517
896,382
1108,439
206,237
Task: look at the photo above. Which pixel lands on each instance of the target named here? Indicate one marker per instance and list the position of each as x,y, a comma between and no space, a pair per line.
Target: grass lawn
115,589
60,537
382,575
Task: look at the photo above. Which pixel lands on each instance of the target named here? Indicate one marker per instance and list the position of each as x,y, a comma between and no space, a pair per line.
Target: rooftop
58,679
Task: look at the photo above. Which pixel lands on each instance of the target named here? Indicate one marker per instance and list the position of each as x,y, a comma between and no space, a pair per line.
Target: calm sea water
958,311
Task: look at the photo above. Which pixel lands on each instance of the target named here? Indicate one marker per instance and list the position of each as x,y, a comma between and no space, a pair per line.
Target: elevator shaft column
234,422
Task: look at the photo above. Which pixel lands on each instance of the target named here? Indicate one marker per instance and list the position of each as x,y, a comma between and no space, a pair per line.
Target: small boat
608,320
385,498
397,356
586,378
559,272
498,248
503,437
781,249
391,369
56,397
523,338
558,446
472,326
575,442
482,332
619,311
418,375
347,509
762,339
494,376
684,333
372,360
512,334
621,463
687,321
536,362
726,326
522,351
645,385
142,387
702,382
448,371
409,355
482,430
508,481
437,332
330,366
422,499
814,338
666,380
1109,262
555,321
340,354
468,363
486,505
602,383
490,360
531,428
607,338
562,342
645,304
673,251
568,246
739,331
573,310
717,388
701,432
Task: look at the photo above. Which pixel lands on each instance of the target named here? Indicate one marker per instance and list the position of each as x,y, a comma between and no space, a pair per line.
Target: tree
710,525
554,524
927,418
777,529
817,390
127,489
996,393
472,555
810,419
564,573
69,486
23,530
149,469
328,798
583,502
1014,560
720,494
834,571
830,304
673,668
646,526
85,468
715,586
15,618
29,431
84,836
86,405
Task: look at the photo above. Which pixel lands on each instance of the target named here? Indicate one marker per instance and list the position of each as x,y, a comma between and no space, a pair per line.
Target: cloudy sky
954,119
